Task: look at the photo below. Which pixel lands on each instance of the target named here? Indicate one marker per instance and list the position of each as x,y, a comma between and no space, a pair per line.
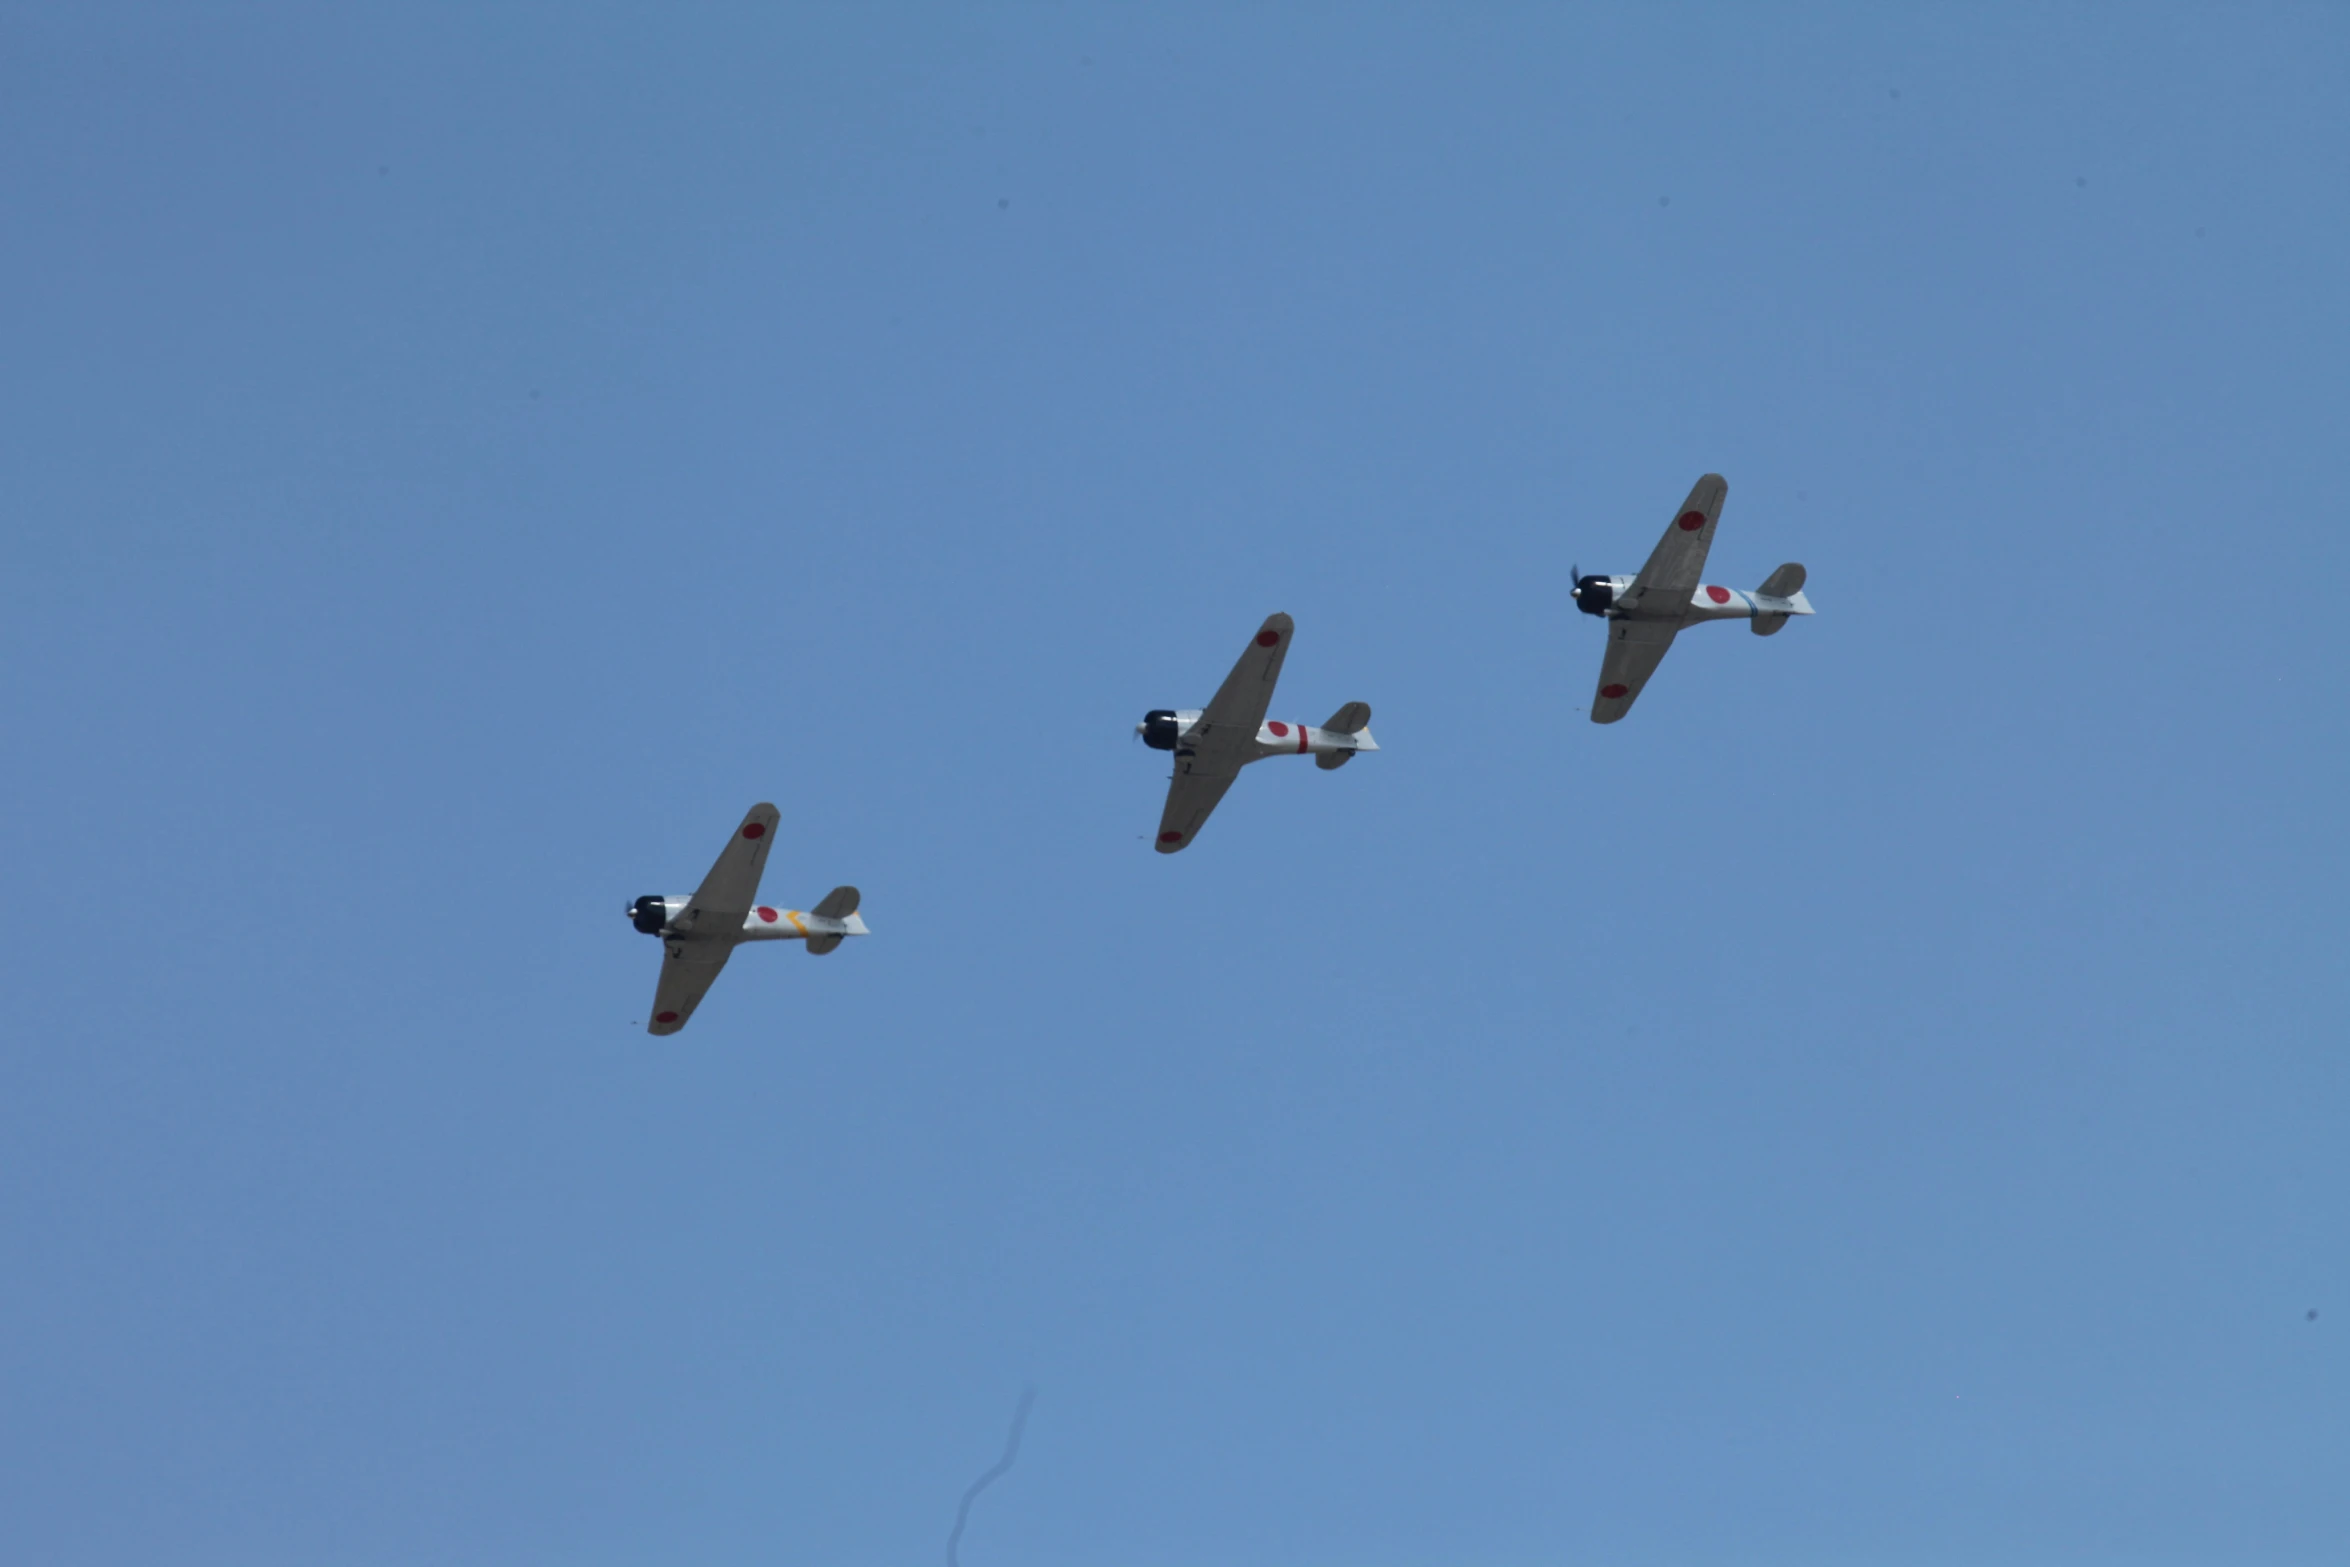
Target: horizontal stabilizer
837,928
1348,719
838,904
1777,599
1356,739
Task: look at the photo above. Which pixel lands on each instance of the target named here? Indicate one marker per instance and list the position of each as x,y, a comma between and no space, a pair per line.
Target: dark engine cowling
649,913
1159,729
1595,595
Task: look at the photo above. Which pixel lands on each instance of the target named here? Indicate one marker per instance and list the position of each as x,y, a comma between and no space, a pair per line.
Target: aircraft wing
687,970
1678,563
1200,781
1210,754
723,901
1634,649
1230,721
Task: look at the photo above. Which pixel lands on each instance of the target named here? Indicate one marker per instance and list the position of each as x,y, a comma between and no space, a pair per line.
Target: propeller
1593,595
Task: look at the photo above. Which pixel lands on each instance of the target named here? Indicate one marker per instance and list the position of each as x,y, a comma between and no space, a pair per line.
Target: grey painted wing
723,901
1678,562
1190,797
688,968
1229,722
1634,649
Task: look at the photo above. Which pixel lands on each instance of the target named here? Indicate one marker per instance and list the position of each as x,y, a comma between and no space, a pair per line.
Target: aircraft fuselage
653,916
1604,597
1171,730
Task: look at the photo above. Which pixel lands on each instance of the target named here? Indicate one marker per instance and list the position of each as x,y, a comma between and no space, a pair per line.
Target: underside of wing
1190,798
1677,565
687,970
1634,649
1231,718
724,899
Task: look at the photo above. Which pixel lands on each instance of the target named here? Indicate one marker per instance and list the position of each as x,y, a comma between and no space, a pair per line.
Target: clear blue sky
1882,1102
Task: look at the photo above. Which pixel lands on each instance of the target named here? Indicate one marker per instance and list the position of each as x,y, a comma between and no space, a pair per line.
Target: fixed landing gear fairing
1646,612
698,934
1213,744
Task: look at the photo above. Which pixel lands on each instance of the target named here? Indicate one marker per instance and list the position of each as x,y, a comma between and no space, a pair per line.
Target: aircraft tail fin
1354,721
1780,596
838,914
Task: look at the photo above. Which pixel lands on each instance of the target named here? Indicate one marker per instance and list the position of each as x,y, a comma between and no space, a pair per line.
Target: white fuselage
764,924
1279,737
1707,603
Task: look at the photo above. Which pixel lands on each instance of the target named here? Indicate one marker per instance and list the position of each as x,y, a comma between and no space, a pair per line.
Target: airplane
1646,612
701,932
1214,743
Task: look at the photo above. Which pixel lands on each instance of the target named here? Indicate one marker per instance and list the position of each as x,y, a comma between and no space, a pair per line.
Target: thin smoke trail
1011,1452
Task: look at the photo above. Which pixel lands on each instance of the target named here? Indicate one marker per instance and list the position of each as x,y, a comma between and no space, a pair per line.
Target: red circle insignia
1611,692
665,1017
1718,595
1265,638
754,830
1691,521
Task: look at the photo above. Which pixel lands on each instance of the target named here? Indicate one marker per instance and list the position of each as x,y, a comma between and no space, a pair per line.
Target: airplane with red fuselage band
1212,744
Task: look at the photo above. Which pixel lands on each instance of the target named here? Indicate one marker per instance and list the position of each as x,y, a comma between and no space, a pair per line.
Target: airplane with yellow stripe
699,933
